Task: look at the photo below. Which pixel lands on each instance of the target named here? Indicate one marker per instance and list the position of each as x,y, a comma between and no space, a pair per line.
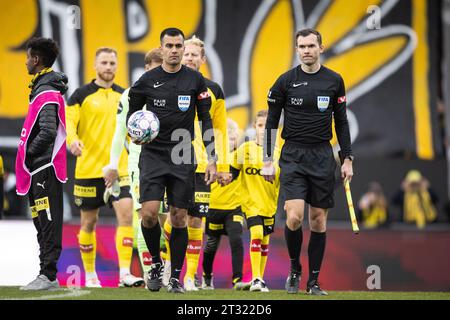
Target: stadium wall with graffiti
387,52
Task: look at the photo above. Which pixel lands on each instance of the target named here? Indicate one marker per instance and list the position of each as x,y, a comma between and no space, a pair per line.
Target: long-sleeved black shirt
310,101
174,98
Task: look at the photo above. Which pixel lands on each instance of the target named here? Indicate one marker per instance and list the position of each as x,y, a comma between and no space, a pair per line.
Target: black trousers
46,202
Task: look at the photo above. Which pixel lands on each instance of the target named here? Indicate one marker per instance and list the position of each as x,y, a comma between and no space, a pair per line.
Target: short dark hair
45,48
307,32
171,32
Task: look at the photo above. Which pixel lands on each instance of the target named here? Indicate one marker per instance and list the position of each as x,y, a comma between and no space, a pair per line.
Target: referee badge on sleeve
322,103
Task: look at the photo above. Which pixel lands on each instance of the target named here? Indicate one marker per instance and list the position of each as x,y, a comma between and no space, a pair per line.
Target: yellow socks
193,251
167,232
264,253
256,237
88,248
124,247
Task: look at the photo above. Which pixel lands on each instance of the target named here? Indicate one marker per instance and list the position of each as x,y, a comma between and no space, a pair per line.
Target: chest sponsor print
296,101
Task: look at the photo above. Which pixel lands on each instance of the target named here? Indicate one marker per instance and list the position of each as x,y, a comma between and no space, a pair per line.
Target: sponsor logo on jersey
159,102
296,101
203,95
157,85
184,102
295,85
342,99
322,103
253,171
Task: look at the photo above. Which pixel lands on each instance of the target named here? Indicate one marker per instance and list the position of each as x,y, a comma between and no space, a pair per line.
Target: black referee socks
316,249
294,241
152,236
178,244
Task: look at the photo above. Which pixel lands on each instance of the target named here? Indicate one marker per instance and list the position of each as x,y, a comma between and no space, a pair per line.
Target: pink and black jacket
42,140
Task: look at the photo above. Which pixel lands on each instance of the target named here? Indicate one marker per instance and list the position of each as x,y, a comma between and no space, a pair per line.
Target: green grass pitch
13,293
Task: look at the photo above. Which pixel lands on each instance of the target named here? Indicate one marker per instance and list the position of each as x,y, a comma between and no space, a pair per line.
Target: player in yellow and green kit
194,56
259,200
91,118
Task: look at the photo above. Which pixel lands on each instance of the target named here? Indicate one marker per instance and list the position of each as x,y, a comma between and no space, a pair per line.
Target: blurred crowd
415,198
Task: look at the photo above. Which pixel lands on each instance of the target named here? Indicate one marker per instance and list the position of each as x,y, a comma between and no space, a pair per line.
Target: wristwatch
350,157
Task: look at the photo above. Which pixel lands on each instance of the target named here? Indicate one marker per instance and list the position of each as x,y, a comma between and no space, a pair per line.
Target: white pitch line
70,294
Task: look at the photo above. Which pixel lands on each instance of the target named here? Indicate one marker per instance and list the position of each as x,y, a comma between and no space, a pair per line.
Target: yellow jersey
2,172
218,114
227,197
91,117
259,197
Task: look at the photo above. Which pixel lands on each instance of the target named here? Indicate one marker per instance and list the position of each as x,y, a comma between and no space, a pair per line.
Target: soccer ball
143,126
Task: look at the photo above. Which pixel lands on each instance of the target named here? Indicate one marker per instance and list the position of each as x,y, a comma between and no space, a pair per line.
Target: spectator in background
373,206
417,200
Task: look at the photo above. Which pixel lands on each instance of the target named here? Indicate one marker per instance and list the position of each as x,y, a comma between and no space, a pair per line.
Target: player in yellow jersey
259,200
91,117
225,218
194,56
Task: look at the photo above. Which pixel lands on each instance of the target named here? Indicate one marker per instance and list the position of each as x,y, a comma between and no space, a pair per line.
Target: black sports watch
350,157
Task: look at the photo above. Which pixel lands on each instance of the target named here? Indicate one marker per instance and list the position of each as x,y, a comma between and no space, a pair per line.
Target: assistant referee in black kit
311,95
174,93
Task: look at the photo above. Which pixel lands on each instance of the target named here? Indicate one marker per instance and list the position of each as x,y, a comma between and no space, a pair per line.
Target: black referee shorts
159,174
307,173
202,193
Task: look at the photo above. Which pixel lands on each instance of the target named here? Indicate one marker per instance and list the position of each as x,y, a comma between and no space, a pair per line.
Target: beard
106,76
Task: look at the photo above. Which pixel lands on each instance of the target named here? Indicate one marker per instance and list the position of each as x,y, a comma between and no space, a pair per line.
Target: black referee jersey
174,98
309,100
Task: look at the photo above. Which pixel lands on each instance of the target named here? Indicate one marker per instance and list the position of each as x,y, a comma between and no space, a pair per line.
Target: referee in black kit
174,93
311,95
